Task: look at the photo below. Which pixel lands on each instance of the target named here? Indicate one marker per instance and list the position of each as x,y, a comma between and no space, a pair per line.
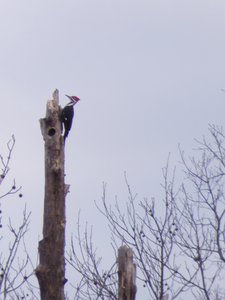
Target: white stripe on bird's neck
71,104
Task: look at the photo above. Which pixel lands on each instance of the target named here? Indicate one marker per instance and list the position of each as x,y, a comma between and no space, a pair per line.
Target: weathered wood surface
126,274
51,270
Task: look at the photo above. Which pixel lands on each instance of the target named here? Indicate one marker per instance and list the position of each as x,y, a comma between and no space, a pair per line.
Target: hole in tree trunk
51,131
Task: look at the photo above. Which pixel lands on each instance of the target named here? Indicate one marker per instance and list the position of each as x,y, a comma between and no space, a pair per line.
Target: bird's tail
65,135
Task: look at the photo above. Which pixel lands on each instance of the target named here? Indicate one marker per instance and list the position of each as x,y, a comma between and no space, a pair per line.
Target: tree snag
126,274
51,270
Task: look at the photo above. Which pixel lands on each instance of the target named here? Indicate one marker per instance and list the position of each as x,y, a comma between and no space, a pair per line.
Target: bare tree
148,233
16,265
95,281
5,168
201,208
16,268
177,241
149,228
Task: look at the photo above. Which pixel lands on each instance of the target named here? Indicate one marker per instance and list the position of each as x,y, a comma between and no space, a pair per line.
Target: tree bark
126,274
51,270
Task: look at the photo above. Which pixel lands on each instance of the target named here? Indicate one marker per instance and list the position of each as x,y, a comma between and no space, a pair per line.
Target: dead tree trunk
126,274
51,270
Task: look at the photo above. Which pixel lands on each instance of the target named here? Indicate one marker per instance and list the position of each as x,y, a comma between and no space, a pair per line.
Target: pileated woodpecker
67,114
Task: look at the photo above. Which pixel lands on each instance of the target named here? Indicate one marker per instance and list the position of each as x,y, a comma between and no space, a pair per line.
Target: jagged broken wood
51,270
126,274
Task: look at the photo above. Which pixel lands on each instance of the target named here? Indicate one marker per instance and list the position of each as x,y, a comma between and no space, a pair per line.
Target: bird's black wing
67,119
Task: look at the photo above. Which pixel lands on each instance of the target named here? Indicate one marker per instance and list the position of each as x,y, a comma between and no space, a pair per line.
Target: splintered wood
126,274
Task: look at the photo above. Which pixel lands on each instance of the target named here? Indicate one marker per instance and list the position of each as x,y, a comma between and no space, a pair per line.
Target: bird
67,115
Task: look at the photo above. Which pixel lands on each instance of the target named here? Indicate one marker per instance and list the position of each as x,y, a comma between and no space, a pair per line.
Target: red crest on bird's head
73,99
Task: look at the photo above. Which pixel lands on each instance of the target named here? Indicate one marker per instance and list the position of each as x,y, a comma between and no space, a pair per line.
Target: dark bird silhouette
67,114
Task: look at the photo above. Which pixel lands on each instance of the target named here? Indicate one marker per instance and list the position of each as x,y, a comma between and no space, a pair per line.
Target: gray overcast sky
149,75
